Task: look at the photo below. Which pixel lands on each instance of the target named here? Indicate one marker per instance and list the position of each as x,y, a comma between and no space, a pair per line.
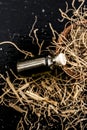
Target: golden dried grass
63,94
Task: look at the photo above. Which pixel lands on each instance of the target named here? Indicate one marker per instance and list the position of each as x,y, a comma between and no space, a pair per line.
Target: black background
17,16
16,19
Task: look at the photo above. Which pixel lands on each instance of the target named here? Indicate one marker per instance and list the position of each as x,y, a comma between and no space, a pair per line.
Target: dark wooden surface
16,19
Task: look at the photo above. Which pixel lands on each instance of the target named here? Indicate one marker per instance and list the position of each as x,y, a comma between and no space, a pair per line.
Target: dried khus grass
54,100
